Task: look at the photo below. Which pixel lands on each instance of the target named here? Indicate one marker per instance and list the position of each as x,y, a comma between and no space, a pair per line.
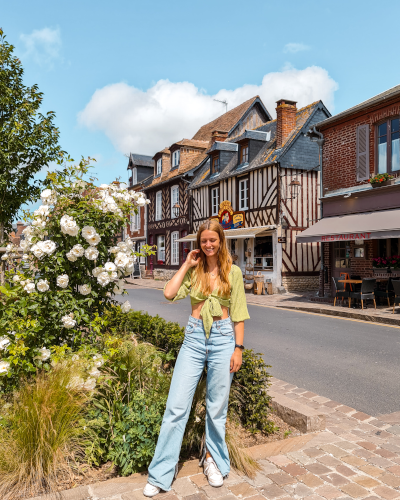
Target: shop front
360,245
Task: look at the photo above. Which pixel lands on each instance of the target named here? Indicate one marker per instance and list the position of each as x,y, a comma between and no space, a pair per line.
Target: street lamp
175,210
295,188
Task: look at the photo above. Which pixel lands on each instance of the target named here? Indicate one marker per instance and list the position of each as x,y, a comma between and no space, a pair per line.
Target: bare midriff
196,310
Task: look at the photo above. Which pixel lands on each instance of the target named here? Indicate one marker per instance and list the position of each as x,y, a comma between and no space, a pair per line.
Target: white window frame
243,188
134,176
174,248
159,205
176,158
174,199
159,166
161,250
214,200
136,220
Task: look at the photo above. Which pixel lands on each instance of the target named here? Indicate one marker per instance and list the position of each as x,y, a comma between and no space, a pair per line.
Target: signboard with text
228,218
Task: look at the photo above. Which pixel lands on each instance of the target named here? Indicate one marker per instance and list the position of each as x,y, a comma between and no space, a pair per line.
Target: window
134,176
176,156
215,165
158,205
174,201
214,201
388,151
175,248
243,194
159,166
341,254
160,249
263,254
135,220
244,154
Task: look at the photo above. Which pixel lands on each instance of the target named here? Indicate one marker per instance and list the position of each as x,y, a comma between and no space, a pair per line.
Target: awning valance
366,226
243,232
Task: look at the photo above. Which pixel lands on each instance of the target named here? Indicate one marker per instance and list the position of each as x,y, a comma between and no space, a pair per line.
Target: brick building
361,221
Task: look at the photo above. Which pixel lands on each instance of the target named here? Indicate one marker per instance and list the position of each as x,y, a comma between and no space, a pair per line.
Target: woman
215,286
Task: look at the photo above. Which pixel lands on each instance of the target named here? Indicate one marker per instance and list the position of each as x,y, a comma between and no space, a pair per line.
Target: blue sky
136,76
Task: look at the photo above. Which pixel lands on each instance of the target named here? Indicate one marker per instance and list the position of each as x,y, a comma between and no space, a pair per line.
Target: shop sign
281,239
228,218
346,237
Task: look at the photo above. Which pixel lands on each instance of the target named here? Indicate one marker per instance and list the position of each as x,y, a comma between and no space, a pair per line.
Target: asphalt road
354,363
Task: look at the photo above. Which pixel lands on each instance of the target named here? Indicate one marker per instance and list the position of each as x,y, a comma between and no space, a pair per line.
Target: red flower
380,180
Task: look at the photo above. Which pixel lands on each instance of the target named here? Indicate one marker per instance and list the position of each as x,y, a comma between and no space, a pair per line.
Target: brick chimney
285,120
218,135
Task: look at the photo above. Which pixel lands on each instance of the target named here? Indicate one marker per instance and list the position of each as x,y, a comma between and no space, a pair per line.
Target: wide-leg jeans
196,352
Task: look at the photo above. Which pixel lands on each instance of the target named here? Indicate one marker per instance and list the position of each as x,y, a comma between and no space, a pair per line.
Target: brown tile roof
225,122
193,143
164,177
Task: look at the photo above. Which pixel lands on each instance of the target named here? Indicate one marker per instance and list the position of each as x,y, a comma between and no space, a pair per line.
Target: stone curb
297,414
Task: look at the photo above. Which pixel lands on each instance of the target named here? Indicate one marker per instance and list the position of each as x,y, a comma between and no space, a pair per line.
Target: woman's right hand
193,258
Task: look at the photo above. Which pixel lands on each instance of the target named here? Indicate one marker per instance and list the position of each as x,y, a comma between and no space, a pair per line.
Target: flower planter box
384,183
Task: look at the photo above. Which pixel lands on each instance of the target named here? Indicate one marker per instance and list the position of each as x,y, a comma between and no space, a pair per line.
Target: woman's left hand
236,361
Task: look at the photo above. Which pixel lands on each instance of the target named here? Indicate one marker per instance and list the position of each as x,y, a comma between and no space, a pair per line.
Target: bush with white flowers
77,265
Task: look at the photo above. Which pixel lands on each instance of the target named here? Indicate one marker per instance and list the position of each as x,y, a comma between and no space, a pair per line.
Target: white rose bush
77,267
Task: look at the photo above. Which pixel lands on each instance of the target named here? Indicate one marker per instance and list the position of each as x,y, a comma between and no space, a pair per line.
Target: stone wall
164,274
300,283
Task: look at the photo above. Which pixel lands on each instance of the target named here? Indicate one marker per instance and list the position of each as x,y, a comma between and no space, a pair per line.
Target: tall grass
40,438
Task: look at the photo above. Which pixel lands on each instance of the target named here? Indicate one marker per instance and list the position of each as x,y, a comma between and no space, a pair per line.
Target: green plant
41,435
377,179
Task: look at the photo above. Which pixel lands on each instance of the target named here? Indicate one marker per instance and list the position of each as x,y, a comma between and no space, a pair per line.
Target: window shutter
362,153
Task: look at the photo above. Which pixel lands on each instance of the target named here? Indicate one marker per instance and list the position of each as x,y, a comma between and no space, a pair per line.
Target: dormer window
244,154
159,166
176,156
215,165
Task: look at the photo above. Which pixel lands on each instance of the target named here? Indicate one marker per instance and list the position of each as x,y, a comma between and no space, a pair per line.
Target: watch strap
239,346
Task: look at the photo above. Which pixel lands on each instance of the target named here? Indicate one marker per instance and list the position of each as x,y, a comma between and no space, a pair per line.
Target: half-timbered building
170,212
269,172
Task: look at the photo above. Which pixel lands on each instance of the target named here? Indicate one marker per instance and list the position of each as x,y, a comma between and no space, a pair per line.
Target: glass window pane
394,246
395,152
382,158
395,125
382,129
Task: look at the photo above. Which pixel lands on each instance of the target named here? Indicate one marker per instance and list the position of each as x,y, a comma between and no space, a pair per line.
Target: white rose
42,210
94,240
37,251
88,232
4,257
91,253
90,384
71,257
118,288
85,289
113,275
77,250
44,354
110,266
38,223
103,279
96,271
68,320
48,196
65,218
141,202
48,247
24,245
121,260
113,250
125,307
123,247
98,360
42,285
104,186
147,202
4,367
29,287
70,227
16,278
4,341
62,280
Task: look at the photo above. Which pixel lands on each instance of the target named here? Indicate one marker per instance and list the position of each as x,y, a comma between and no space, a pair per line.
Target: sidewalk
357,456
303,302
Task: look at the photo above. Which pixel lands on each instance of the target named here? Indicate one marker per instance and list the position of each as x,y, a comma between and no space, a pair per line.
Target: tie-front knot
210,309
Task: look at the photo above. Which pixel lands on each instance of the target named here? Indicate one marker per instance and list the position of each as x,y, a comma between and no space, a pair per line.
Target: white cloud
147,121
295,47
43,46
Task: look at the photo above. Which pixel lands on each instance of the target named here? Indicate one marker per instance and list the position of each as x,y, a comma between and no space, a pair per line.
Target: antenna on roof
223,102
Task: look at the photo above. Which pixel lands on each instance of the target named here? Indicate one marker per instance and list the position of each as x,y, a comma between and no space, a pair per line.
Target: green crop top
212,304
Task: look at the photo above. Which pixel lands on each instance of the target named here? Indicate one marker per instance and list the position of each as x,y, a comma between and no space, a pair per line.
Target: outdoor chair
387,293
366,292
356,286
340,290
396,287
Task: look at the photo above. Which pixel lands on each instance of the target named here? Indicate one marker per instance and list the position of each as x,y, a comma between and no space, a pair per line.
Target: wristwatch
239,346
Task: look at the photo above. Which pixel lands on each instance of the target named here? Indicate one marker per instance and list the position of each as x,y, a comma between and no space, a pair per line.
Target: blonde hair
201,278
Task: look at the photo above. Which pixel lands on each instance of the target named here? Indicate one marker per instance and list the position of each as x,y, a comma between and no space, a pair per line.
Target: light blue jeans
196,352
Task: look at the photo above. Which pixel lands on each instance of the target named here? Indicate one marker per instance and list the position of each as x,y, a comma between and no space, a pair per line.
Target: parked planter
384,183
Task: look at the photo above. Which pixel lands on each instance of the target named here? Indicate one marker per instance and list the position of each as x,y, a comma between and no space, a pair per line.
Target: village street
353,362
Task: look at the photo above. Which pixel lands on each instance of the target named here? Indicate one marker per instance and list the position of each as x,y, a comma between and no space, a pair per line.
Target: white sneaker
150,490
212,473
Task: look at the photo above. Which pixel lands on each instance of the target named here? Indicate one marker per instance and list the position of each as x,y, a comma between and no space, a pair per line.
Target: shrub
40,434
